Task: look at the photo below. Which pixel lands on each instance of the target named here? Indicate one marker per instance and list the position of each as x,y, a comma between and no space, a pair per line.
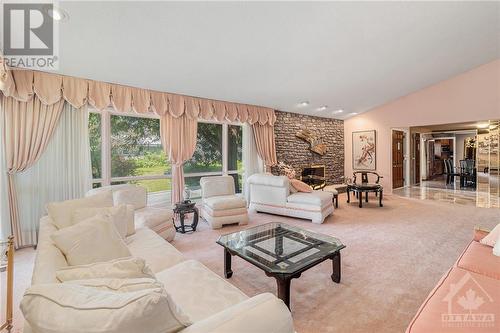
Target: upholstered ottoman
220,203
157,219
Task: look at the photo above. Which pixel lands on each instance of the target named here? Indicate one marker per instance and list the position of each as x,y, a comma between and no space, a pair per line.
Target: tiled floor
437,190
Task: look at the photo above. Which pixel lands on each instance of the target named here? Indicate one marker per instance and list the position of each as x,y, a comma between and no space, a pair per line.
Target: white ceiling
347,55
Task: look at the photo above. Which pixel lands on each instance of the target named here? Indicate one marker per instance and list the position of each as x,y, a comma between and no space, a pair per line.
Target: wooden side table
180,211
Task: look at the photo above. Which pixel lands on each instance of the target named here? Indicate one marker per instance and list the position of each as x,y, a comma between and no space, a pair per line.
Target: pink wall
471,96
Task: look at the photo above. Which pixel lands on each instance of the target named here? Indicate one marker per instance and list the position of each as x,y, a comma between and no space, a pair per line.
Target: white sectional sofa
212,303
271,194
157,219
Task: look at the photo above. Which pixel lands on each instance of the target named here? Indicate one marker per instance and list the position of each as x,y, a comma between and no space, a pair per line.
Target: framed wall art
364,150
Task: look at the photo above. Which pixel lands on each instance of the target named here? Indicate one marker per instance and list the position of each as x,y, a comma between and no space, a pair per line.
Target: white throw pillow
491,238
496,248
93,240
131,267
63,308
116,214
61,212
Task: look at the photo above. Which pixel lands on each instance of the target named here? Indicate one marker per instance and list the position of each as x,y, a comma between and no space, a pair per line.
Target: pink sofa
467,298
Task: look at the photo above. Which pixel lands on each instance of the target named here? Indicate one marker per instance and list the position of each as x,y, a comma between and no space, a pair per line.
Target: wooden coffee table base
283,281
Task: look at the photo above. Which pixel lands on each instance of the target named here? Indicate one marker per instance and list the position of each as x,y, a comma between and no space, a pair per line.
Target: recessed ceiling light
338,111
323,108
56,13
304,103
353,113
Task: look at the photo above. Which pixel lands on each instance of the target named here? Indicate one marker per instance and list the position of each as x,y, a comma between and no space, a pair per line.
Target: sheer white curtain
63,172
252,163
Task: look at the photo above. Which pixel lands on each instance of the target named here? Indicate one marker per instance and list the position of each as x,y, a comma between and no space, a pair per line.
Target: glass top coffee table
281,251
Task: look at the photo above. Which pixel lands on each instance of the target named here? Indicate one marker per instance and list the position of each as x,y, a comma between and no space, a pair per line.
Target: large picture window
127,148
136,152
218,152
207,156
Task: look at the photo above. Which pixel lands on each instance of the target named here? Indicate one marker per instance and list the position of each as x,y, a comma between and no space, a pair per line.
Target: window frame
106,178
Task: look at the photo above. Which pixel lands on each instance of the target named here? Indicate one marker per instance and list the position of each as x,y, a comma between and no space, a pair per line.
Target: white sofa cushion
224,202
268,179
198,291
131,267
63,308
225,212
112,188
261,313
158,253
317,198
61,212
131,195
117,214
151,217
217,186
93,240
303,207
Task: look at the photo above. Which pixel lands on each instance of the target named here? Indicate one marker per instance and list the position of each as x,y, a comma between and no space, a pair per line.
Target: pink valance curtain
178,113
22,85
264,141
27,129
178,137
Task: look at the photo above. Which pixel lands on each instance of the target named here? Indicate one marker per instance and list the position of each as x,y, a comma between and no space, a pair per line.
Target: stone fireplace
314,176
296,152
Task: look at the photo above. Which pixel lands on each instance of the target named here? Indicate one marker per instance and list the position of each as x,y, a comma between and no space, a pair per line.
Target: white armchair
220,204
157,219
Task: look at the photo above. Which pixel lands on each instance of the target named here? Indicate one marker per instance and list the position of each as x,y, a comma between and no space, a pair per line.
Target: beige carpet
394,257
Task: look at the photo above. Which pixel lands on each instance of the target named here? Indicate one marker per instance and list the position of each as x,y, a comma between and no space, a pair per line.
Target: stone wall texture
295,152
